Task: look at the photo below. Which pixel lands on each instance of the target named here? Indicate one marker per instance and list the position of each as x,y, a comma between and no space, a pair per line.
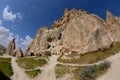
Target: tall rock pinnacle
11,48
113,26
19,53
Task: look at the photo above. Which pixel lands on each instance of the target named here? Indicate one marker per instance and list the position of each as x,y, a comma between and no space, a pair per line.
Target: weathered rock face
85,33
76,32
113,27
19,53
11,48
45,40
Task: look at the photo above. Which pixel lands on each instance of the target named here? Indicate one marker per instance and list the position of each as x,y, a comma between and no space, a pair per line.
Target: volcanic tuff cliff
11,49
77,31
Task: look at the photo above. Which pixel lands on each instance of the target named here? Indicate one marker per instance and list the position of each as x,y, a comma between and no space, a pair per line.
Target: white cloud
26,41
9,15
5,36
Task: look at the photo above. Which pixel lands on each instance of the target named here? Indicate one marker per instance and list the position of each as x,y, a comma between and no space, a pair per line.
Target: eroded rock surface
19,53
76,32
11,48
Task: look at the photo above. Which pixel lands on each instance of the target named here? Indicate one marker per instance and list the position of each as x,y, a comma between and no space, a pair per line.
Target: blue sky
22,18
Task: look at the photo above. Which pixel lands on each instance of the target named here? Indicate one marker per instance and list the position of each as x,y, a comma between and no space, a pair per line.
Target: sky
21,19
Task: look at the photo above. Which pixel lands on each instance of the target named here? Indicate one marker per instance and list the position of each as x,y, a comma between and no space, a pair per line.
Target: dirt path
18,72
48,72
114,72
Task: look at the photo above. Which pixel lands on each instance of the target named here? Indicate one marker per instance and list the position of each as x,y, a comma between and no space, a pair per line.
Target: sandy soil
18,72
48,72
67,77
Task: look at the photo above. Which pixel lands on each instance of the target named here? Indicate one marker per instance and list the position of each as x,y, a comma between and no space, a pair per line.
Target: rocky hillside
76,32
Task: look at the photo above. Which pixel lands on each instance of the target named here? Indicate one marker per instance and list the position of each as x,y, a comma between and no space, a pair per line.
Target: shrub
104,65
91,72
88,73
47,53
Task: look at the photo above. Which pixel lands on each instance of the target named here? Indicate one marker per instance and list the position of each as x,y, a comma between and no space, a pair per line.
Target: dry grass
61,70
31,62
33,73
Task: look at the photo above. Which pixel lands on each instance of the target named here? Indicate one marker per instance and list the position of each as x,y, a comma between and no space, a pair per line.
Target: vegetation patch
93,56
33,73
92,72
47,53
1,53
76,72
82,72
5,67
31,62
61,70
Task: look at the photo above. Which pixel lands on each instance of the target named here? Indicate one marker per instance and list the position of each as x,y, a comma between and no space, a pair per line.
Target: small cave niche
31,54
48,46
59,36
50,39
53,46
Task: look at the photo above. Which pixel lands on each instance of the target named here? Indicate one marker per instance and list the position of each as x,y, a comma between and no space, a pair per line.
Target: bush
104,65
47,53
91,72
88,73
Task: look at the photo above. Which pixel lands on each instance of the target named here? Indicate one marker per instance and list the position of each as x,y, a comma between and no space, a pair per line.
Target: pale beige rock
113,27
77,31
85,33
19,53
11,48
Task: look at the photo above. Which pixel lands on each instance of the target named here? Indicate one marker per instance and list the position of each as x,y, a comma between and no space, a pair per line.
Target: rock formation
76,32
11,48
113,27
19,53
